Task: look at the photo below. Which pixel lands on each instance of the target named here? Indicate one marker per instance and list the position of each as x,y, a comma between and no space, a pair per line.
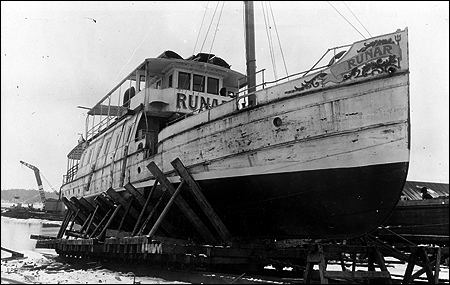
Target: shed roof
412,189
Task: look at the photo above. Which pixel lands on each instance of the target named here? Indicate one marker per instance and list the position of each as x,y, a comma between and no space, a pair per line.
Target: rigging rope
199,30
357,19
54,191
209,27
269,38
217,26
346,20
278,37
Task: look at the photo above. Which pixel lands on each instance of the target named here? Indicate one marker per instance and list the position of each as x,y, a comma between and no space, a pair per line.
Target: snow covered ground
42,267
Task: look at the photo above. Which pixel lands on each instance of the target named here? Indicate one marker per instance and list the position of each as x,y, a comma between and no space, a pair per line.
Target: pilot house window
184,81
199,83
213,85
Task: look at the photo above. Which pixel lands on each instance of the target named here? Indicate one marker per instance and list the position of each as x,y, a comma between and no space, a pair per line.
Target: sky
56,56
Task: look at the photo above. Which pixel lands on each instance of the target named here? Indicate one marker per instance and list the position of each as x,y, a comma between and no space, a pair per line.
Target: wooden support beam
118,199
422,271
202,201
428,270
437,265
105,203
147,208
407,278
190,214
100,224
127,223
93,215
81,217
166,209
124,216
74,217
86,204
83,208
88,219
64,224
317,255
135,193
147,220
138,222
14,253
101,236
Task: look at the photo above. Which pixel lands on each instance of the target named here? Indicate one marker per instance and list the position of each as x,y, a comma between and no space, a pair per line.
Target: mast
250,50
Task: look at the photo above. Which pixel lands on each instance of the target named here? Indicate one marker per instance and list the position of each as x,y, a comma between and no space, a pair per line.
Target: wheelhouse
158,92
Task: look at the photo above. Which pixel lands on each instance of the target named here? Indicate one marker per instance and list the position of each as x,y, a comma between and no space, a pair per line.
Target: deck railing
70,175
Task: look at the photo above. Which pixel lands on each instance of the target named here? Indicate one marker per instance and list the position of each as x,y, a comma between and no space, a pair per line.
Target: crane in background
49,205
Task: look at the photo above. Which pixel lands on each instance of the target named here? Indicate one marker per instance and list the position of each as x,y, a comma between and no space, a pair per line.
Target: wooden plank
190,214
358,274
116,233
202,201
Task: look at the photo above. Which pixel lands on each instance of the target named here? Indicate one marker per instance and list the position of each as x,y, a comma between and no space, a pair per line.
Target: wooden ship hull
419,221
323,155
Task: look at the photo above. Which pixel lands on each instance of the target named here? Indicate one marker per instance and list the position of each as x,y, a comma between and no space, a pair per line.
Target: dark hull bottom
330,203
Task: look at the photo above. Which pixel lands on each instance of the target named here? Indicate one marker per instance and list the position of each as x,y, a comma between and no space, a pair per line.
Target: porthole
277,122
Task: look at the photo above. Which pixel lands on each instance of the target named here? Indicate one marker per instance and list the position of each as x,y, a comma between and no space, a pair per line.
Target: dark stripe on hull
329,203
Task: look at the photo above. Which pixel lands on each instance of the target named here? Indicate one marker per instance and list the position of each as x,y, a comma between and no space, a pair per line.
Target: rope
357,19
269,38
217,25
209,27
278,37
346,20
48,183
199,30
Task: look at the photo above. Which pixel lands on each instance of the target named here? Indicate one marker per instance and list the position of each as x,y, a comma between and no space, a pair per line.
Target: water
15,235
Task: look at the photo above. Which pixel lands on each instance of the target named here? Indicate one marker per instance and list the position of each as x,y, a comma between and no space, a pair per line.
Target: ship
319,154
